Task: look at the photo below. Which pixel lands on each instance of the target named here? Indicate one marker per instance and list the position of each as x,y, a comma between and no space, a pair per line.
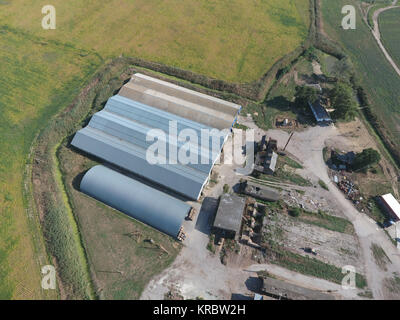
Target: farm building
135,199
228,220
392,206
265,193
180,101
270,162
319,112
126,129
283,290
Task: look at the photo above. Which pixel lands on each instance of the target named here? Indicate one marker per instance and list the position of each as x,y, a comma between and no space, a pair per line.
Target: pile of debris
295,199
266,157
253,223
286,123
349,189
181,235
352,192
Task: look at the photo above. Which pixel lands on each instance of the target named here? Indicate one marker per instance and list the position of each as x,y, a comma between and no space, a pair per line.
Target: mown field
377,76
389,24
233,40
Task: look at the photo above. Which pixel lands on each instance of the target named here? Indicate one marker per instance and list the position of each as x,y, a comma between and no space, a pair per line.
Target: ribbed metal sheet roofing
118,133
135,199
180,101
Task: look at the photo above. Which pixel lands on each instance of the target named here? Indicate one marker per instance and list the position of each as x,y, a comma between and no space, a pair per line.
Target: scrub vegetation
308,266
381,259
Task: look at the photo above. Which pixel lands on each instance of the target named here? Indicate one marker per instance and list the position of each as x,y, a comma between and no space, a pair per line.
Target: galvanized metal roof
136,199
118,134
180,101
319,112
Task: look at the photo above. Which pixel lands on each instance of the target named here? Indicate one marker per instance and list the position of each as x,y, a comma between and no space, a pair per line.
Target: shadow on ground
206,215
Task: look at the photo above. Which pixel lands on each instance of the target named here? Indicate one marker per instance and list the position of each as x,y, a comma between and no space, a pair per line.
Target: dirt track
198,273
307,146
377,35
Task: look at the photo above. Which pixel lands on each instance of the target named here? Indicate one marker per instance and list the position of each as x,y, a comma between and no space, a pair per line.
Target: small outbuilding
270,162
392,206
265,193
321,115
283,290
135,199
228,220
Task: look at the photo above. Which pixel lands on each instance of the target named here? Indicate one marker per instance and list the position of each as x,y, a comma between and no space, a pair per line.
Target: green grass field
375,5
42,71
36,80
389,24
234,40
378,78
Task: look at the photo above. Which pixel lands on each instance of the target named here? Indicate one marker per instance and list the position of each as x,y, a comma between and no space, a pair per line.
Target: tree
304,95
311,55
366,158
342,100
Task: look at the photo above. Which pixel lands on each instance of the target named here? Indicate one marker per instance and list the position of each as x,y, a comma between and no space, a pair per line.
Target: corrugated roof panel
149,115
186,94
119,134
135,199
136,134
155,118
182,179
180,107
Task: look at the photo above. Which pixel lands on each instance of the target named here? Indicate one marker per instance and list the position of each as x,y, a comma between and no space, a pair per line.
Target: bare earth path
196,272
377,35
307,146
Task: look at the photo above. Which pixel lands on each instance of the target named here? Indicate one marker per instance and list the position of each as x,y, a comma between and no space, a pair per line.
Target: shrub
295,212
226,188
365,159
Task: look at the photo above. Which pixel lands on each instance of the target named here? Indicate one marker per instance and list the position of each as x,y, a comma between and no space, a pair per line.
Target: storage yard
245,219
306,244
119,134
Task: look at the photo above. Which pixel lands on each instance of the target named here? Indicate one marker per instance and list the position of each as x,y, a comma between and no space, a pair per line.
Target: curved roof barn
135,199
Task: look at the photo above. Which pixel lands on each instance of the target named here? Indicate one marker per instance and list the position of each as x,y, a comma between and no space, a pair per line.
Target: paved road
377,35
